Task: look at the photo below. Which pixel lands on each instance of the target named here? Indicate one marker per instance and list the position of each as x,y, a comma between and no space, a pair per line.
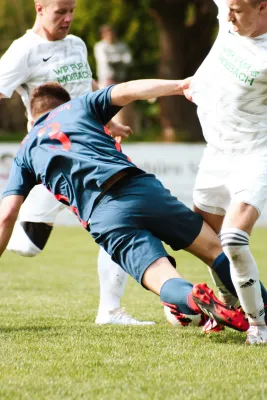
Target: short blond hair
43,2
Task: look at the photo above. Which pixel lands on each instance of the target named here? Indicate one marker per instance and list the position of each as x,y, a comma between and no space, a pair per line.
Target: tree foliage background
168,38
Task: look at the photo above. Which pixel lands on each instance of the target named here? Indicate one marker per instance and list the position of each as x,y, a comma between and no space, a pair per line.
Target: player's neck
39,30
261,30
37,116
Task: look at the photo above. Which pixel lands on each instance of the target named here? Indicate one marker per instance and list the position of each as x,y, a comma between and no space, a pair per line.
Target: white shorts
225,177
40,206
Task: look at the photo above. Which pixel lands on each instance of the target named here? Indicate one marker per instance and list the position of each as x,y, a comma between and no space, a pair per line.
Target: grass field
51,349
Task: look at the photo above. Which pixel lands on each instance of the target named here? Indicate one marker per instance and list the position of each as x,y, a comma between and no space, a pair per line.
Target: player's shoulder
27,40
75,39
22,46
101,44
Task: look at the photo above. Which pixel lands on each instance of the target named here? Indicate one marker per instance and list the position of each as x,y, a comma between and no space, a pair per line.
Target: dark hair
46,97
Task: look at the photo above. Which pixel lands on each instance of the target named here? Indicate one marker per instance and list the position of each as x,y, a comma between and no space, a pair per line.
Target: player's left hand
118,130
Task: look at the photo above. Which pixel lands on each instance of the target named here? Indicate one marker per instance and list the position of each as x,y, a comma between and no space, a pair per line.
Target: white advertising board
175,164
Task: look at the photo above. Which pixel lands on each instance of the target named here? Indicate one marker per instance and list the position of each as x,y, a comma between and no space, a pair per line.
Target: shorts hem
148,263
210,209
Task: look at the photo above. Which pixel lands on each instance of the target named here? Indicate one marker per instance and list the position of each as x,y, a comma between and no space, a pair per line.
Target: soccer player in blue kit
127,211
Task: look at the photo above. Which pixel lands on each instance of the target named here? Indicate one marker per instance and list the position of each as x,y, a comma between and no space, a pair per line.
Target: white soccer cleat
119,317
257,334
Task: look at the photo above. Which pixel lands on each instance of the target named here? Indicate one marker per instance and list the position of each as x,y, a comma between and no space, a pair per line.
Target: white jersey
230,90
32,60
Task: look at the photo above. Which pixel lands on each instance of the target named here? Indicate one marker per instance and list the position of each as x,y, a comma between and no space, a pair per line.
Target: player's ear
39,8
263,6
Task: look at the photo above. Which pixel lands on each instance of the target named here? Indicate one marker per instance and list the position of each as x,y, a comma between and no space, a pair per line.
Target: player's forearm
6,228
145,89
9,210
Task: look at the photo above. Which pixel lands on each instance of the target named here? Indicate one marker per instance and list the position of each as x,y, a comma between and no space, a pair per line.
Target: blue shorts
134,216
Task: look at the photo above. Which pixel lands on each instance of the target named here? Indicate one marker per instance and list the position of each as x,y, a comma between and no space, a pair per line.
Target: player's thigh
210,192
241,216
133,249
154,209
248,186
206,246
173,222
212,216
40,206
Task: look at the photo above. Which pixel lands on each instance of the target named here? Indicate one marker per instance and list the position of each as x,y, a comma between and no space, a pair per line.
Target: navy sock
176,291
221,266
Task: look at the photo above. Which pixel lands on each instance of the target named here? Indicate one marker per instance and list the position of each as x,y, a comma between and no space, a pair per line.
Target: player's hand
118,130
186,88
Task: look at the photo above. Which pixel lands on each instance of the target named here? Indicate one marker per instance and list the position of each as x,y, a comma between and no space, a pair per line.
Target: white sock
112,280
21,244
244,273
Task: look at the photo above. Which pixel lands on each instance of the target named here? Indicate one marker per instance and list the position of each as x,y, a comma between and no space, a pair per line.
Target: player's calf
179,308
29,238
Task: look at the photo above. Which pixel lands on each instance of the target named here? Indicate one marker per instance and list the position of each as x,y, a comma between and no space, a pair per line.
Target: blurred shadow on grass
34,328
236,338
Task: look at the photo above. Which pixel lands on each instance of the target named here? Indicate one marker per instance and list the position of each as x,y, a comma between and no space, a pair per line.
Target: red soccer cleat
210,305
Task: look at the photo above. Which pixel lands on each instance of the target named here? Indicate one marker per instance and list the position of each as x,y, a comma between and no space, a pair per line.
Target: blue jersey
70,151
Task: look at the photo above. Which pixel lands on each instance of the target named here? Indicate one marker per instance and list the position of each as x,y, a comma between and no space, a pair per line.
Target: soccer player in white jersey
230,191
48,53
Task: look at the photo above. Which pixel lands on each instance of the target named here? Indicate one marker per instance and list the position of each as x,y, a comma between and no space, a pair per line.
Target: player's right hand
186,88
119,130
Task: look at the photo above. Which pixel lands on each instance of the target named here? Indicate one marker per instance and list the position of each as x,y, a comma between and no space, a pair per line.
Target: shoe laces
122,315
255,330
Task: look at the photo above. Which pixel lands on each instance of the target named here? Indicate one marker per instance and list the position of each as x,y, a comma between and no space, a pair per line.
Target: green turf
51,349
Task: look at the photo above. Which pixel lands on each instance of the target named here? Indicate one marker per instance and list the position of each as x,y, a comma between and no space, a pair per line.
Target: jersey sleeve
20,180
13,68
99,105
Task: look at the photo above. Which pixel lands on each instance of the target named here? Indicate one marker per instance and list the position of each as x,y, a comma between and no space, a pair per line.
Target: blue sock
221,266
176,291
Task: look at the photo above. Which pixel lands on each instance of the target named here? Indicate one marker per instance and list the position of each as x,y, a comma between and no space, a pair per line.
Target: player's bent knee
29,238
158,273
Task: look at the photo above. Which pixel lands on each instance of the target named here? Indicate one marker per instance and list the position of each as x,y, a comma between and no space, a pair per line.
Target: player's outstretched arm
145,89
9,210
